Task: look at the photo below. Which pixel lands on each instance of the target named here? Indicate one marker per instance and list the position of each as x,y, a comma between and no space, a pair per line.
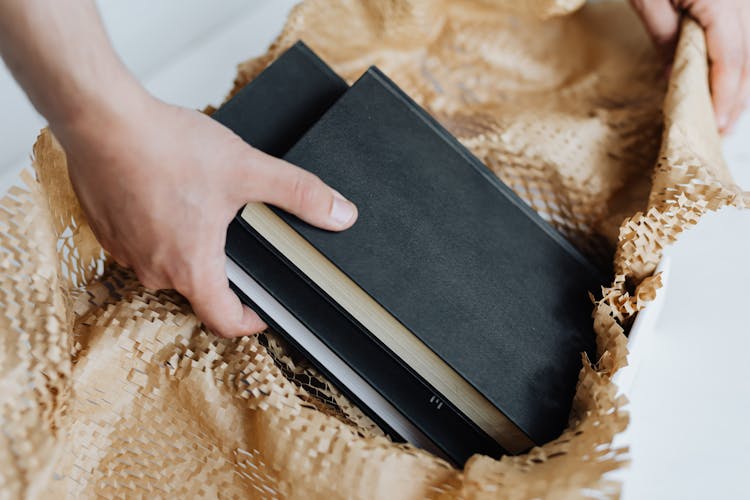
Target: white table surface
689,393
689,433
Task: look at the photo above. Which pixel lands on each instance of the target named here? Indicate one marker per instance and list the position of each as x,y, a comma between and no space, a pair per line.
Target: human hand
160,184
727,27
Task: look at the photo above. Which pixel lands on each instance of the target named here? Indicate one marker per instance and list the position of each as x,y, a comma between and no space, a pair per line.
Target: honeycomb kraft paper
108,389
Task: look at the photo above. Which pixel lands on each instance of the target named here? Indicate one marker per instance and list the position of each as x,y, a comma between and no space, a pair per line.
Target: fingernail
343,210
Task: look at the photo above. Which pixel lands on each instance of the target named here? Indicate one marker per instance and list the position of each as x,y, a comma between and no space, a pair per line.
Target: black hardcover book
451,312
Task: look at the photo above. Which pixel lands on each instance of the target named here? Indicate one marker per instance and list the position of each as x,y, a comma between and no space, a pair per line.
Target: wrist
96,113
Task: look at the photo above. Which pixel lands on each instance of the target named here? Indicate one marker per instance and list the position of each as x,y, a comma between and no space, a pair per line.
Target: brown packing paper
109,389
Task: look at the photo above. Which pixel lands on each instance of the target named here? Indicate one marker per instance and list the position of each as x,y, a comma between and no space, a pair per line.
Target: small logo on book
436,401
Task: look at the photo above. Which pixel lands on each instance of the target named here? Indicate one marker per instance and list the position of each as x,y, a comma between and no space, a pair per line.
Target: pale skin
160,183
727,27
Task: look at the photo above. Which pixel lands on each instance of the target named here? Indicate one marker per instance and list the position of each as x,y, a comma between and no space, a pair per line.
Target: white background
689,433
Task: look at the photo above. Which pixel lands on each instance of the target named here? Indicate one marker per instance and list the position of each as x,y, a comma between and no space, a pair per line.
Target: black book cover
445,247
453,253
274,110
271,113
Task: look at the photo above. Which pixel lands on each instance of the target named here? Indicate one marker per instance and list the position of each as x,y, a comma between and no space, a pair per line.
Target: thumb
216,305
662,21
728,57
299,192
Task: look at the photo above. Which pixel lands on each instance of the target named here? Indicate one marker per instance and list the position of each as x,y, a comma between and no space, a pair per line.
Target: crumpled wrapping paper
112,390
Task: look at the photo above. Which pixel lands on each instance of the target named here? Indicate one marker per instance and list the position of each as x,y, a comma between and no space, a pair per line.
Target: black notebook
451,313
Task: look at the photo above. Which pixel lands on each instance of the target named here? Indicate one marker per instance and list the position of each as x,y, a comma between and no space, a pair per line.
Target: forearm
60,54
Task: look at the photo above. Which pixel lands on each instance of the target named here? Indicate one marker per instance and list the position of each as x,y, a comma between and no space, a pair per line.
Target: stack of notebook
451,313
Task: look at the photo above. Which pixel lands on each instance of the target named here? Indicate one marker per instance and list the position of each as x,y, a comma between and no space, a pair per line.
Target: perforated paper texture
108,389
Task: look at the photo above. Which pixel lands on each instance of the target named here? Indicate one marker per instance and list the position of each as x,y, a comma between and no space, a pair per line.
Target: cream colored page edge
381,323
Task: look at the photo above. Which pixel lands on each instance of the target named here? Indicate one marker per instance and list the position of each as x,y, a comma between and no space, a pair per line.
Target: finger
741,102
662,21
726,53
299,192
743,96
216,305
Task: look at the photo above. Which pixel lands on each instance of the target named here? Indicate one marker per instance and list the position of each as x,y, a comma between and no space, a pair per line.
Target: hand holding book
159,184
163,208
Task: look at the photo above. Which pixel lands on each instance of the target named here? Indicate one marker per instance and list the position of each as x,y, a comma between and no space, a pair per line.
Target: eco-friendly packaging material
110,389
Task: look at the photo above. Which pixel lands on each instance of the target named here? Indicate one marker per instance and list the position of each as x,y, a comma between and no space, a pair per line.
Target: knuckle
151,274
183,279
194,280
304,190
